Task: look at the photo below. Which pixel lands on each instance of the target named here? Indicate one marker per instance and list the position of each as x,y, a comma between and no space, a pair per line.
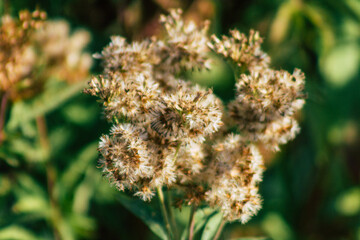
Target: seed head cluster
169,132
16,59
33,50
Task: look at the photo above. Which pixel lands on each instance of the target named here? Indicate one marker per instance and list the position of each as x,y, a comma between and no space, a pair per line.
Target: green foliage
212,226
150,216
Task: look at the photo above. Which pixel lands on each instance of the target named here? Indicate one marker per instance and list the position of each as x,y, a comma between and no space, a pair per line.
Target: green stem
192,222
50,177
219,231
164,212
172,217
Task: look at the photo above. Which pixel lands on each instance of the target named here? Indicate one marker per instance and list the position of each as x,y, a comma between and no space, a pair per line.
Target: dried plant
33,50
168,132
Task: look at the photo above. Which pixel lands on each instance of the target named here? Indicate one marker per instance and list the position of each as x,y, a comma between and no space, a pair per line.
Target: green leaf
341,64
276,227
32,204
85,191
59,138
55,94
253,238
212,226
9,158
5,184
281,24
29,150
320,19
15,232
28,185
74,172
348,203
354,5
82,225
80,114
146,213
201,217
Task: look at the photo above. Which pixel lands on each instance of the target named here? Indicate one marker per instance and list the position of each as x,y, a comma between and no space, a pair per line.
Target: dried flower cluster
33,49
16,59
266,99
170,132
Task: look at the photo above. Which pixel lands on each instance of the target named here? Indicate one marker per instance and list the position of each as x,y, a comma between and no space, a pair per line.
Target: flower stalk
4,102
165,213
192,222
220,229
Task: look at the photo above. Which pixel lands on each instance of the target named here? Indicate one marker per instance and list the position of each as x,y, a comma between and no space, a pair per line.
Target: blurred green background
311,189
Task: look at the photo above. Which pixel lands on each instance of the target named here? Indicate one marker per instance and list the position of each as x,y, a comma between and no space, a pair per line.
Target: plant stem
50,176
164,212
219,231
172,218
42,129
192,222
4,101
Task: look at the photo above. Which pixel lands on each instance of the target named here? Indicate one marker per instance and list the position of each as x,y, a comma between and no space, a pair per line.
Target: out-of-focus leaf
65,229
345,133
5,185
83,225
8,157
15,232
354,5
350,29
84,192
212,226
220,77
320,19
28,185
253,238
341,64
76,169
348,203
146,213
53,96
276,227
214,76
32,204
281,23
30,150
59,138
80,114
29,129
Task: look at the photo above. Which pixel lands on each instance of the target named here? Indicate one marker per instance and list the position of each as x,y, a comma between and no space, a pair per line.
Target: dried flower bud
189,114
244,52
233,177
265,97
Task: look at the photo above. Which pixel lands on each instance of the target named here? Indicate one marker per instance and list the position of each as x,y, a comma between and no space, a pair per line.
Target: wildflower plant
42,65
169,133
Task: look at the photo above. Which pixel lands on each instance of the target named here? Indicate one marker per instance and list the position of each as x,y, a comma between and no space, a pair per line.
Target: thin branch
4,101
164,212
219,231
172,217
192,222
50,176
